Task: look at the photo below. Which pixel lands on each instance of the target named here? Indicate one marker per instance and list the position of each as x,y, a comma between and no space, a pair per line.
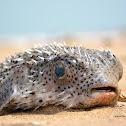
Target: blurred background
89,23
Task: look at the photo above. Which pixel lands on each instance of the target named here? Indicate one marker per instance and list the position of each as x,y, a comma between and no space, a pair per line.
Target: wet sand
57,115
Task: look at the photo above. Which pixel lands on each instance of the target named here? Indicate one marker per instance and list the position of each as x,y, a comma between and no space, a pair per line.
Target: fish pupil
59,71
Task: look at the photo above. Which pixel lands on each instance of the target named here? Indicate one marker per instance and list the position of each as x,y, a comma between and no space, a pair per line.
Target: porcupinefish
75,77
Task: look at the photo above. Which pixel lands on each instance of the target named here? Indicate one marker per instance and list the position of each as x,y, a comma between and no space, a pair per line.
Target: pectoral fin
6,94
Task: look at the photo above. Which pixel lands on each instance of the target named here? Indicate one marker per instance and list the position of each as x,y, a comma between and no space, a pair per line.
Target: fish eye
59,71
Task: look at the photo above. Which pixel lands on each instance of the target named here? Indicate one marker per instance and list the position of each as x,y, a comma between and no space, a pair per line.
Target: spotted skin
74,77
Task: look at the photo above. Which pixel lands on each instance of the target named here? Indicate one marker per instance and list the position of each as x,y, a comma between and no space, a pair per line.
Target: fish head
86,79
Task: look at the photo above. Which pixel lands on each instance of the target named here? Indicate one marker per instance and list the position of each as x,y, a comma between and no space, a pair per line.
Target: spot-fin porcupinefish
74,77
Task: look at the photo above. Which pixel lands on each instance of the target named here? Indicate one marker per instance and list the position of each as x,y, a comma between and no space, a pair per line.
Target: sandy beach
57,115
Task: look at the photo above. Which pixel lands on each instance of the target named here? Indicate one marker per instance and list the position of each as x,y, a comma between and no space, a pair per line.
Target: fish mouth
104,89
104,95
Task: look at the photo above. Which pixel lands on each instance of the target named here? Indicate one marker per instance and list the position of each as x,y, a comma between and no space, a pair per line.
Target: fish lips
105,94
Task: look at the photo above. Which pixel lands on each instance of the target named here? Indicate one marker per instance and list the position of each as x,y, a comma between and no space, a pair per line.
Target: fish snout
105,94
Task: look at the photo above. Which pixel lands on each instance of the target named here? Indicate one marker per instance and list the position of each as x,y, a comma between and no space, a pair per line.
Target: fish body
75,77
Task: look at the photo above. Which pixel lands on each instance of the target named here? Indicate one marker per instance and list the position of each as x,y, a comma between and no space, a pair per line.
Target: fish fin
6,94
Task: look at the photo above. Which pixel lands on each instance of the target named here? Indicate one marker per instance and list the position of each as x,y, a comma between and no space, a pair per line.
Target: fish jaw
104,95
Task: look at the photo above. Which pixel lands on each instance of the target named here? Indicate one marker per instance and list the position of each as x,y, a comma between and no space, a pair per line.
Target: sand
58,115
